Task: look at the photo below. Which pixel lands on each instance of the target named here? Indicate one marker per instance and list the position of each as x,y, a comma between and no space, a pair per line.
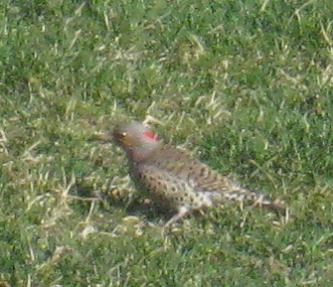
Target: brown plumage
174,179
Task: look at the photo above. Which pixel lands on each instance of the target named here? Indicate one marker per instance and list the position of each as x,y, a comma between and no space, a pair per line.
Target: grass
245,85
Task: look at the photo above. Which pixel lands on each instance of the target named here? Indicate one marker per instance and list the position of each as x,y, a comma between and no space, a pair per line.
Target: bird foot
183,211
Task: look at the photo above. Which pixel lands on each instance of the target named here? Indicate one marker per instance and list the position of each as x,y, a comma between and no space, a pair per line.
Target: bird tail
241,194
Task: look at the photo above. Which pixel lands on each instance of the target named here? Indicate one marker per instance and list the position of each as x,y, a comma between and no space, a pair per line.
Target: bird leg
183,211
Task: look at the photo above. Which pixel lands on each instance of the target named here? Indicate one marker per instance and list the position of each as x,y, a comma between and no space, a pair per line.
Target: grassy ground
246,85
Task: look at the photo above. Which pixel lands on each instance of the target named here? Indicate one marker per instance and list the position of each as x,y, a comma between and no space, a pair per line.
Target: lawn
246,86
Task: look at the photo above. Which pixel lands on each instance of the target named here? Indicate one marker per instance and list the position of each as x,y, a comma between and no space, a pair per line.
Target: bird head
136,139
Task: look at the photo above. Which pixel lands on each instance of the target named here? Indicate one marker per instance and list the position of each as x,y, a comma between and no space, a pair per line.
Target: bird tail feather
242,194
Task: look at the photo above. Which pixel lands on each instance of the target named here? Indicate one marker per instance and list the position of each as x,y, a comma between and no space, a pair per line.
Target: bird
175,180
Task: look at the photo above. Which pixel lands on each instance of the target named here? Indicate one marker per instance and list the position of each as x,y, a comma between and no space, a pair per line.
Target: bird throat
143,153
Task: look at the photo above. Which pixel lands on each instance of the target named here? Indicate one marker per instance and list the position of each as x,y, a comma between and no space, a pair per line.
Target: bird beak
103,136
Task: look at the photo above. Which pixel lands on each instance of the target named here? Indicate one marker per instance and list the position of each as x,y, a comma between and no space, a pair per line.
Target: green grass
245,85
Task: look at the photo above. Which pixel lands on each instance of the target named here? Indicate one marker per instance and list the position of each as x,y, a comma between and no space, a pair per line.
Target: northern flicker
174,179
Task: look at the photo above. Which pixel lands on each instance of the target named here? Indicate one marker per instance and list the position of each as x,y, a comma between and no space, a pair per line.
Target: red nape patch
151,135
